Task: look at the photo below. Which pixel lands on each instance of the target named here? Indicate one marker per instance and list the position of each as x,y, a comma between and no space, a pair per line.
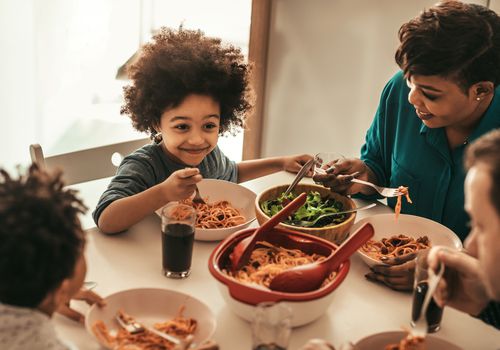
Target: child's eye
181,126
211,126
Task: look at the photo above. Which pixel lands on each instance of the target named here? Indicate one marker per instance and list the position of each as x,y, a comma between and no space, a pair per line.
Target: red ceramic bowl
243,297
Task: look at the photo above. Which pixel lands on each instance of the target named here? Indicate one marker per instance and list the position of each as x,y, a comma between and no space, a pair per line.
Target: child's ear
55,298
63,293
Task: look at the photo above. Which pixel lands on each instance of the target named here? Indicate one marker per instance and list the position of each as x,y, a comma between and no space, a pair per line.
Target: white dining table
132,259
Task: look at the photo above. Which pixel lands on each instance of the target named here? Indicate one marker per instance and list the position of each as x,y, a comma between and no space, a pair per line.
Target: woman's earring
478,98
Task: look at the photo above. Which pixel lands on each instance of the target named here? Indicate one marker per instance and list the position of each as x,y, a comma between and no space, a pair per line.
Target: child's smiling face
191,130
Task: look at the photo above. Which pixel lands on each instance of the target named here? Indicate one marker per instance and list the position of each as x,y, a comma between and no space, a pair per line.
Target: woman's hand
461,286
398,274
294,163
338,177
85,295
181,184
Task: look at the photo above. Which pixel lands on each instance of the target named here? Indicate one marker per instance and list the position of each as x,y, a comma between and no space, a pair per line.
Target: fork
302,172
420,326
384,191
197,197
134,327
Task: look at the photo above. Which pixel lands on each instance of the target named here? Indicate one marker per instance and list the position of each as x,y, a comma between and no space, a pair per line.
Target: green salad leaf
316,212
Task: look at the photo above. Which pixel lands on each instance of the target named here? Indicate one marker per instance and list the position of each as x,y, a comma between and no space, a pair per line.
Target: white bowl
303,312
386,225
238,196
380,340
242,297
152,305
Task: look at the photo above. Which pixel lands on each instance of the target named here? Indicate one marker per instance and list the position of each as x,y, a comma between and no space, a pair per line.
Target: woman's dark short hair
181,62
452,40
40,236
486,150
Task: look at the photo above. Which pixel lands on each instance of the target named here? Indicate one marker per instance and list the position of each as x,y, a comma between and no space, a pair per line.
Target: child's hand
181,184
85,295
294,163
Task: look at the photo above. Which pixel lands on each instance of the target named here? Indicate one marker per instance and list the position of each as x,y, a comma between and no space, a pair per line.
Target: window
60,88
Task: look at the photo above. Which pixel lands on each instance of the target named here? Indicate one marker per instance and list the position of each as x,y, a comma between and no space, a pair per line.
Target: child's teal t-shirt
401,150
149,166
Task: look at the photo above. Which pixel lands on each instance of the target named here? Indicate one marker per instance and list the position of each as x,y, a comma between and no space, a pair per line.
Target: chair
89,164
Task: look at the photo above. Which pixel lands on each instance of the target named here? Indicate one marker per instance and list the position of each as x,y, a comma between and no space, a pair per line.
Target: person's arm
251,169
85,295
339,177
127,211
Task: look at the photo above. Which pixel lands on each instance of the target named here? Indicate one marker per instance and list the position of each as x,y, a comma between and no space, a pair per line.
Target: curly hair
486,150
40,234
454,40
181,62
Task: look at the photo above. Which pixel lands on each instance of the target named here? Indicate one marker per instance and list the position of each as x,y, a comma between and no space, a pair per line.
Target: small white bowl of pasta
406,234
230,208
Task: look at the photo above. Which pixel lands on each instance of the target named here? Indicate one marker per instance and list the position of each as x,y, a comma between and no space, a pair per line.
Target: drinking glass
271,326
177,238
434,312
325,161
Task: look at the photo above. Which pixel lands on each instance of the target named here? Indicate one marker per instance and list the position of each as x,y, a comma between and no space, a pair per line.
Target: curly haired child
187,89
42,265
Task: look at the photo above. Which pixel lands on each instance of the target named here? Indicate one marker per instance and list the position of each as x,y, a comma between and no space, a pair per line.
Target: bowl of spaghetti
406,235
315,216
282,249
229,208
175,313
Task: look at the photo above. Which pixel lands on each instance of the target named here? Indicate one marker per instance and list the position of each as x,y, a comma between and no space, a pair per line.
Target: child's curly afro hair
181,62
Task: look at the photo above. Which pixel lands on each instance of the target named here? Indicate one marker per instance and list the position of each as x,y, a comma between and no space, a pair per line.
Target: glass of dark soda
434,312
177,239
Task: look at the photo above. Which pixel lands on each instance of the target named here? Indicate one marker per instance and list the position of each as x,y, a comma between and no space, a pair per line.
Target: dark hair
486,149
183,62
454,40
40,235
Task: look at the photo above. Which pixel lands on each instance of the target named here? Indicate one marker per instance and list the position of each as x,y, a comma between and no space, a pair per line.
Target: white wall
328,62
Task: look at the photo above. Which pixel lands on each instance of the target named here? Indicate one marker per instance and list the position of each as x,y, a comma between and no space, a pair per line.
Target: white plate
152,305
386,225
238,196
380,340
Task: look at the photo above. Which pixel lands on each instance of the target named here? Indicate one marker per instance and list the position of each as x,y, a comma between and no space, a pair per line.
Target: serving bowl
386,225
381,340
242,297
150,306
239,197
334,233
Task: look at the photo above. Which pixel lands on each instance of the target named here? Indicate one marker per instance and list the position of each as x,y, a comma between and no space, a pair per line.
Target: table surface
359,308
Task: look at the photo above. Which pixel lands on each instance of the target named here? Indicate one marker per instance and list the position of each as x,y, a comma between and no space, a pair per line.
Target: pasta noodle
268,260
219,214
395,246
179,327
406,193
408,343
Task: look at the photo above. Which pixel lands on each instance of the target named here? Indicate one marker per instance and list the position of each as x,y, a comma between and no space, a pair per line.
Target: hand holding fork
334,177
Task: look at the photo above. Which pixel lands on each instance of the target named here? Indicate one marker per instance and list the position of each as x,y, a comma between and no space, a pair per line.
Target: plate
238,196
386,225
380,340
152,305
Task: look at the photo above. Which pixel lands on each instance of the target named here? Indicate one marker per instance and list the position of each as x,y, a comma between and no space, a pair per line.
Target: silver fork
134,327
197,197
420,327
302,172
384,191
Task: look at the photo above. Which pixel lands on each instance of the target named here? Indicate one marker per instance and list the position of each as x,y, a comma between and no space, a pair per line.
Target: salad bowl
334,228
